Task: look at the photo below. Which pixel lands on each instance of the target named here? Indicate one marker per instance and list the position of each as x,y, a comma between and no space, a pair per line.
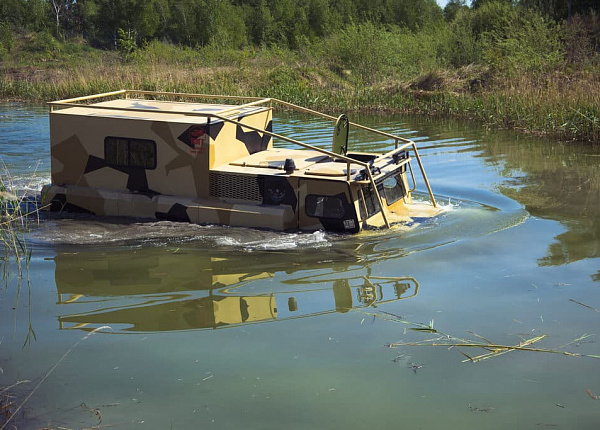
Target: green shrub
364,50
43,43
419,52
532,45
126,44
7,39
581,38
462,46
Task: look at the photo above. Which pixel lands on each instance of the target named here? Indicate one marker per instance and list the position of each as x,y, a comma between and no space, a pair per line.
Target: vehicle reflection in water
157,290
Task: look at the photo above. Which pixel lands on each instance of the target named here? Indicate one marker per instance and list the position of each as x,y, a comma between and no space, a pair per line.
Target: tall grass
16,214
13,224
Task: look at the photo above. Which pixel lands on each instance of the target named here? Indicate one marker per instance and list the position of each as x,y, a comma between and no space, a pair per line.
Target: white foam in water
275,241
72,229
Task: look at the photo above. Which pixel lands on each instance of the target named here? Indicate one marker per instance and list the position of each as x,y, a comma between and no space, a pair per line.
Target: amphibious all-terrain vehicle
212,160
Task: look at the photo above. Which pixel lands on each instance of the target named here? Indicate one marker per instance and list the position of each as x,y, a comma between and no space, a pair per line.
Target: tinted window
393,188
370,201
125,152
116,151
324,207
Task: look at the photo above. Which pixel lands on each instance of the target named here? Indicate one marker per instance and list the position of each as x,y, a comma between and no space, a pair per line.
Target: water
165,325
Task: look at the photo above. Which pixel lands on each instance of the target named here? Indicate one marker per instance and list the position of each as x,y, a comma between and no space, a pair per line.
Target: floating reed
584,305
493,349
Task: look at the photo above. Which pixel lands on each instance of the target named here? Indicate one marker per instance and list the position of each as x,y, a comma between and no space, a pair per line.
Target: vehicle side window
324,206
370,201
128,152
393,188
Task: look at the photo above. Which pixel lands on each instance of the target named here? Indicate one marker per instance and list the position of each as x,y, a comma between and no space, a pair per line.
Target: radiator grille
241,187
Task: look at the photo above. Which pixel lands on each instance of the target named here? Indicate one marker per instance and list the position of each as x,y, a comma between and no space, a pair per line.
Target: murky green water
166,325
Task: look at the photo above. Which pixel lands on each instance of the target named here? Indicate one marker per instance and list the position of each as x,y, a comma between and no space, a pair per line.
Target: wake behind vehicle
212,160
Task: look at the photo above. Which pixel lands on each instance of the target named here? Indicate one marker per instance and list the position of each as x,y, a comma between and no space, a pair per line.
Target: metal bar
412,174
382,209
294,141
126,109
407,143
84,98
393,152
323,115
424,176
193,95
364,203
245,105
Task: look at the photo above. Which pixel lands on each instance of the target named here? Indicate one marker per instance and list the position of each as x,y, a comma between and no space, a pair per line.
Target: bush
370,52
532,45
462,46
582,39
43,43
359,49
505,38
126,44
7,40
156,52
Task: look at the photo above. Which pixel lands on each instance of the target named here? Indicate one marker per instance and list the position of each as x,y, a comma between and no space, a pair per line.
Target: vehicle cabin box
214,163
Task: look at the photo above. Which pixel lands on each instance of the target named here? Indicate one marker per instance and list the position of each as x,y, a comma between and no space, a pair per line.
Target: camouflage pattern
198,163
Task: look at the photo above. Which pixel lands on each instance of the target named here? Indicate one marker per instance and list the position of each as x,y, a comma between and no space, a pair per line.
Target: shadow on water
559,182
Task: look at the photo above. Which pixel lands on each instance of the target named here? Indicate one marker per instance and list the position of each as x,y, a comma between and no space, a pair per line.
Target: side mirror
340,135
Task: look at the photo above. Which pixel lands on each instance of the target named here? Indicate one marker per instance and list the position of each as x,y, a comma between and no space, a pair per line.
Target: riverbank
563,105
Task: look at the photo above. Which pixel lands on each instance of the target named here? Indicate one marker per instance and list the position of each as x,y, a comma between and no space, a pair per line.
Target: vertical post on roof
381,209
424,175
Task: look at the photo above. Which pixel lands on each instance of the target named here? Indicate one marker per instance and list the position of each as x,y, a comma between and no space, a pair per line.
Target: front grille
240,187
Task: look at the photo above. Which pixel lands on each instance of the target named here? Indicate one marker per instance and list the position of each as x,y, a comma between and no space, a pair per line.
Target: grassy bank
561,104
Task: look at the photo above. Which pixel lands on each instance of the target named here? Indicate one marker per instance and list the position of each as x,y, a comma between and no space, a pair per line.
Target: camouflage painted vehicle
169,156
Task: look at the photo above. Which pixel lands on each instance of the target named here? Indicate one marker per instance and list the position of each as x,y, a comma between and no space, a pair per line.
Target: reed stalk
13,225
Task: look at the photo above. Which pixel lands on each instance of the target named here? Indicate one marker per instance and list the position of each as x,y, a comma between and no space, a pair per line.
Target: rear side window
128,152
324,207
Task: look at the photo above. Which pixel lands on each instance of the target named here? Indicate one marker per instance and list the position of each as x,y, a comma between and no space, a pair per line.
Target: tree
561,9
152,18
475,4
12,13
452,8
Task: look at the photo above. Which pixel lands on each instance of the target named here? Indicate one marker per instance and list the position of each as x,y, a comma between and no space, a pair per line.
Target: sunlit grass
557,104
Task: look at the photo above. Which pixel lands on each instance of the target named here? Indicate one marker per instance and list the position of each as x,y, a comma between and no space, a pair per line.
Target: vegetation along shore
529,64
